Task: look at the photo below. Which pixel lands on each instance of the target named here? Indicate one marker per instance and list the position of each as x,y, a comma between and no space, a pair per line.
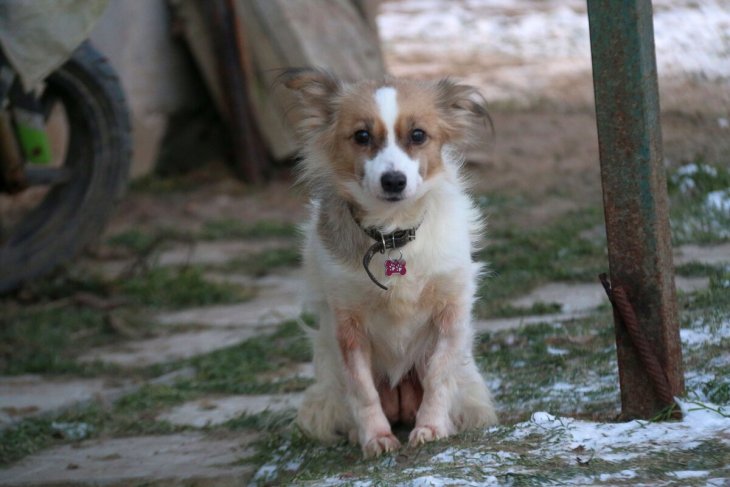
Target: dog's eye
418,136
362,137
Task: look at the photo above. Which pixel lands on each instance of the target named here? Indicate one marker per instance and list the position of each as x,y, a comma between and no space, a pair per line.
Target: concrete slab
211,411
261,312
691,284
498,324
192,458
572,297
704,254
580,297
200,252
32,395
278,299
218,252
177,346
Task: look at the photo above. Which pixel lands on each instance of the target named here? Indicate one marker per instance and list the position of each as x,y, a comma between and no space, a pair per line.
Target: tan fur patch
350,335
411,395
445,299
417,109
389,401
357,111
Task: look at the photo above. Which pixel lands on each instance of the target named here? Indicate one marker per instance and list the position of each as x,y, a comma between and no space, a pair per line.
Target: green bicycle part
32,136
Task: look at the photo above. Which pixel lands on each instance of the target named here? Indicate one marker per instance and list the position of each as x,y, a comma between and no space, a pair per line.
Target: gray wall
156,74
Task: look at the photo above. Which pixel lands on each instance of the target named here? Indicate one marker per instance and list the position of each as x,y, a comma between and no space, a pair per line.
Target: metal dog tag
395,266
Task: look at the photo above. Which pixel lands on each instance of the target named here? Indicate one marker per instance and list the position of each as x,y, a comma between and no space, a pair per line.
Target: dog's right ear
316,92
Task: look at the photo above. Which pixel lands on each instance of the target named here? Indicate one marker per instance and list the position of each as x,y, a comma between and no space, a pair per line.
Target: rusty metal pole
635,194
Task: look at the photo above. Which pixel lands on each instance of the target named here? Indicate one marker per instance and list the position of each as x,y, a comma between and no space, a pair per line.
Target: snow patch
690,474
702,332
556,351
718,200
616,442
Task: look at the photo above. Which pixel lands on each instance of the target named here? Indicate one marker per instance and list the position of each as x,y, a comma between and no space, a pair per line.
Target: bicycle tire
73,214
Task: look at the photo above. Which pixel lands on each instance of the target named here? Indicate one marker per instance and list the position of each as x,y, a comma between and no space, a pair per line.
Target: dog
388,260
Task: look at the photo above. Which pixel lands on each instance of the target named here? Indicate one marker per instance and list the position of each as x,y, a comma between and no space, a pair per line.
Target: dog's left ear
465,109
316,92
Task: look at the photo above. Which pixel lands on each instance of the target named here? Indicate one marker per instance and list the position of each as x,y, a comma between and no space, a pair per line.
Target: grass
49,340
262,263
237,369
521,259
139,241
174,287
46,327
693,220
568,369
569,250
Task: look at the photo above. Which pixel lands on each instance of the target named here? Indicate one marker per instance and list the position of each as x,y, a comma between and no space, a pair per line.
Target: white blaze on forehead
391,157
387,102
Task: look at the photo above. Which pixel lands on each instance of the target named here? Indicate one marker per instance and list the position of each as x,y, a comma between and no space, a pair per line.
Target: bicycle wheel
52,221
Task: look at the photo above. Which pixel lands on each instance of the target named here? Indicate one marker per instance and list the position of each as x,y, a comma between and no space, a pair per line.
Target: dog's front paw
424,434
382,443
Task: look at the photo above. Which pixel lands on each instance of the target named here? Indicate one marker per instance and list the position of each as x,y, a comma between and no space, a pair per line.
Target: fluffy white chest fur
378,160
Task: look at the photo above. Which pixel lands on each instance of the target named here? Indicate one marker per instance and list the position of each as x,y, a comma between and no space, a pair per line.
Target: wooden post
635,194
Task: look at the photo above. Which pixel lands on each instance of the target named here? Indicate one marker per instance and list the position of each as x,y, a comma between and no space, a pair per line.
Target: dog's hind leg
374,431
472,406
324,414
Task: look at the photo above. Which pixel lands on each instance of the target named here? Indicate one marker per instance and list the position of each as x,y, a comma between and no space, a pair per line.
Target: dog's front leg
432,419
373,428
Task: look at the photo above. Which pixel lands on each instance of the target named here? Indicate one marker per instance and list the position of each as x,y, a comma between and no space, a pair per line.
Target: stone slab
141,353
278,299
576,298
192,458
211,253
704,254
498,324
218,251
691,284
212,411
261,312
32,395
571,297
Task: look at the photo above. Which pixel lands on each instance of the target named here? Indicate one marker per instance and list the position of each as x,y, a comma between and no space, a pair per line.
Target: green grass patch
237,369
180,286
568,369
262,263
49,340
141,241
538,308
24,439
521,259
694,219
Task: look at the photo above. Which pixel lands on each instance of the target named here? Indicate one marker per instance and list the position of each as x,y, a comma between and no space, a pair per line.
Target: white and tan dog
388,259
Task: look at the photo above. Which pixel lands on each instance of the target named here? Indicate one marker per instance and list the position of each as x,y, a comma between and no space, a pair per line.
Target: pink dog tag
395,266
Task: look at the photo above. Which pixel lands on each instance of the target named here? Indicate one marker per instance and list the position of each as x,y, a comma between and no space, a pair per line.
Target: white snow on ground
621,441
702,332
718,200
685,175
691,37
522,50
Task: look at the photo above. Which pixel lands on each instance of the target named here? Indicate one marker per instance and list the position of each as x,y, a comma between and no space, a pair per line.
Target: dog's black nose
393,181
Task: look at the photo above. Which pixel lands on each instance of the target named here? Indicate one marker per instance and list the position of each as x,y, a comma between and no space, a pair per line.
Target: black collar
383,242
394,240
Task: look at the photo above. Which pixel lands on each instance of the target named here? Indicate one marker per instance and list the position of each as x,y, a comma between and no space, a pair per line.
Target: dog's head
379,143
